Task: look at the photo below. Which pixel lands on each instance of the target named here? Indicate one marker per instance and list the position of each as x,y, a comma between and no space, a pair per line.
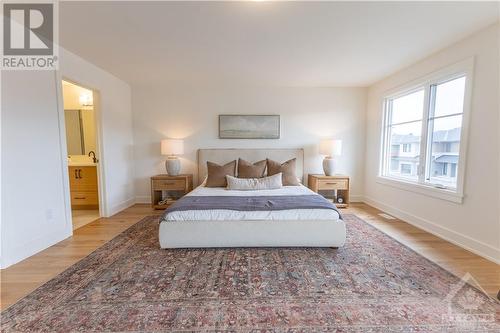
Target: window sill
427,190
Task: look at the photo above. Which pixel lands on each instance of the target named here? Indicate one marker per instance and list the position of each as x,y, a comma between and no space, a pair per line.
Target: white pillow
252,184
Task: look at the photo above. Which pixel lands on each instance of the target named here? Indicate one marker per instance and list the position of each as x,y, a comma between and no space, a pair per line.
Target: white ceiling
293,43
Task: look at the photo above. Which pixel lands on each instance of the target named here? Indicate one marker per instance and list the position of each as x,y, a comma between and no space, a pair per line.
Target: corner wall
34,176
191,113
113,107
33,210
474,224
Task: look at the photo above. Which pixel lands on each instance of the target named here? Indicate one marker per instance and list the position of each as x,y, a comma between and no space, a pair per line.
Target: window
404,114
394,165
406,169
445,127
453,169
422,131
447,147
445,169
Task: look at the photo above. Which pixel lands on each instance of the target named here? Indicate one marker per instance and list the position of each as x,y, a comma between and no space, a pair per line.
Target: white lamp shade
172,147
330,147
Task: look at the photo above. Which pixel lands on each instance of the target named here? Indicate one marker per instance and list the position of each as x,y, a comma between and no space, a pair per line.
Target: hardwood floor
82,217
22,278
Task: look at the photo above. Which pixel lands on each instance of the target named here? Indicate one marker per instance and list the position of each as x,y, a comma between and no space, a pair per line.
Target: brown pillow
288,170
216,175
249,170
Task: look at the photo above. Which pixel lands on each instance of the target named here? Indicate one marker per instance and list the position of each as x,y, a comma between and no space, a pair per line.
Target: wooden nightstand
175,186
338,185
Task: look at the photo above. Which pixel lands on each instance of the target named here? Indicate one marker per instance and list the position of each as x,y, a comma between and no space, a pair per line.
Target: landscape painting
249,126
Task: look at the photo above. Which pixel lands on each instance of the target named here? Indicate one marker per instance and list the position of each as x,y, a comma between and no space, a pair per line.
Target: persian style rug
372,284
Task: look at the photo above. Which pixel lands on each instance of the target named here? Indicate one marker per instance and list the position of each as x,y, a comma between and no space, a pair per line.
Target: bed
208,217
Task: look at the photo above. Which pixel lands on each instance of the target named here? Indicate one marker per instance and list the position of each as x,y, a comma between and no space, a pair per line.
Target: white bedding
232,215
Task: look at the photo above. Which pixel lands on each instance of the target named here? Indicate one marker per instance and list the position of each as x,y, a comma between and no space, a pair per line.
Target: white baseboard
484,250
121,206
143,199
27,249
32,247
356,198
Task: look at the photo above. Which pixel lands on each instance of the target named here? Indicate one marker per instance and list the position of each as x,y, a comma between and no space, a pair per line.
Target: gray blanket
251,203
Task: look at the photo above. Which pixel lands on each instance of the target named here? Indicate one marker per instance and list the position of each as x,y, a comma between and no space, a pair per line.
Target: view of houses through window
429,135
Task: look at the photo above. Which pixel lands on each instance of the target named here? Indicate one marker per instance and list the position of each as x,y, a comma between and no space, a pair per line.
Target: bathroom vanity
83,186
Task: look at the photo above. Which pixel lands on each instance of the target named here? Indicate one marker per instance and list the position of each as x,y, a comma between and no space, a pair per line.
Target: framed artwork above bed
238,126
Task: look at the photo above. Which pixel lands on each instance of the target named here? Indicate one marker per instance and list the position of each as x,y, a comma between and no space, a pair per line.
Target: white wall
474,224
191,113
35,184
498,139
33,197
34,173
113,107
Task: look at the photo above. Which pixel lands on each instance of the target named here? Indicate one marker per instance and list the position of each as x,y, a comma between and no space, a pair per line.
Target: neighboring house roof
452,135
401,139
447,159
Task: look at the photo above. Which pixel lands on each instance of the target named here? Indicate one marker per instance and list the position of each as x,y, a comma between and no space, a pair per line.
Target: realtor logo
28,29
29,35
469,307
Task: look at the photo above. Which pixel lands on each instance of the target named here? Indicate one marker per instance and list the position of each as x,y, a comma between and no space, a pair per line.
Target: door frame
101,179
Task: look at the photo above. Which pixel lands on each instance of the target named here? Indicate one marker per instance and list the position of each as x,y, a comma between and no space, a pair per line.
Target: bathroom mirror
75,140
80,131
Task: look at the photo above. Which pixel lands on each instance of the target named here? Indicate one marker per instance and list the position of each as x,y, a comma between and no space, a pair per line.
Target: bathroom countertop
81,164
80,161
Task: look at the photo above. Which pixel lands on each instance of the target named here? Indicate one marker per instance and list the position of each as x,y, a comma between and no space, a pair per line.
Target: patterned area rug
372,284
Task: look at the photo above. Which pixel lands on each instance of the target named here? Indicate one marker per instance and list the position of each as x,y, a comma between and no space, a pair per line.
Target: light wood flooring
83,217
22,278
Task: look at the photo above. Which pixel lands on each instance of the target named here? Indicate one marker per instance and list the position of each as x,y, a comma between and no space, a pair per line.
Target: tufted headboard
225,155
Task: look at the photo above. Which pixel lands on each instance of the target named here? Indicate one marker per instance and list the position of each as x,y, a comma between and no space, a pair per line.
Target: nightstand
174,187
335,188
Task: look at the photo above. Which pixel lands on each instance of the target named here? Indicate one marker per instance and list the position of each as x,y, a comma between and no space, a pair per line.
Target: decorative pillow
249,170
216,174
287,169
252,184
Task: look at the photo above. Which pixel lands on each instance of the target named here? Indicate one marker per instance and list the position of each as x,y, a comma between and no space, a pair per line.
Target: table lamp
171,148
330,148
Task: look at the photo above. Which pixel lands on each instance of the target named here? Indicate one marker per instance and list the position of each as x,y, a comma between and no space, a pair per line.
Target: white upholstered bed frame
259,233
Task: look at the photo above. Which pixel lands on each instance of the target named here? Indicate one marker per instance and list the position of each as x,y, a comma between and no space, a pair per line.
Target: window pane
403,157
408,107
406,168
445,140
449,97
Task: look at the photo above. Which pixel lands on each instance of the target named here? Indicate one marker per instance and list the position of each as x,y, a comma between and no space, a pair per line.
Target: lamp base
173,166
329,166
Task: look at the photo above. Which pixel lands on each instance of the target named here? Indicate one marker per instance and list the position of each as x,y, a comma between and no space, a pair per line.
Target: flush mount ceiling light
86,99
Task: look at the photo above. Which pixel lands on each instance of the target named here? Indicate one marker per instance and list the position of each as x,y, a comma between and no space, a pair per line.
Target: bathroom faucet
93,156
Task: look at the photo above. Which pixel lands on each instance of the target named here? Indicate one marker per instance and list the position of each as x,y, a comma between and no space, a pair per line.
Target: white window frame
462,68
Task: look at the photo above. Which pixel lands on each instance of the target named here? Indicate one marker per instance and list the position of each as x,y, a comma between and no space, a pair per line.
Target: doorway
82,153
